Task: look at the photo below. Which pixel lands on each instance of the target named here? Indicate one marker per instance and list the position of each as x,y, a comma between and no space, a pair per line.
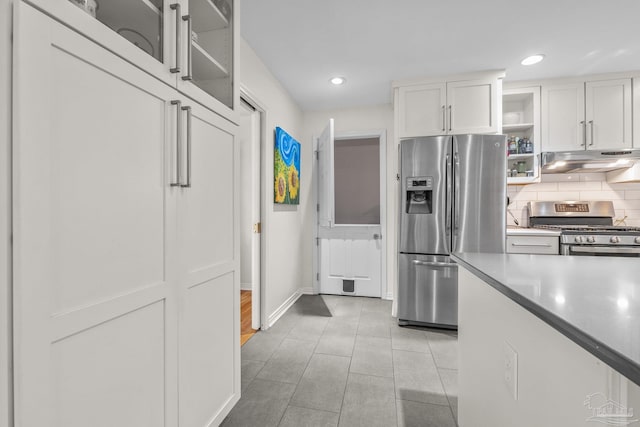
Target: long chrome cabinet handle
450,118
524,245
176,7
176,183
584,133
591,123
189,75
444,119
435,264
188,183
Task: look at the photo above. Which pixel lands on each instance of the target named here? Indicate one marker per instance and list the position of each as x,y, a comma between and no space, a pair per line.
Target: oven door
616,251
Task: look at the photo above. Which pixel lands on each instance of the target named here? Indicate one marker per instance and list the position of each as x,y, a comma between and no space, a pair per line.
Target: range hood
588,160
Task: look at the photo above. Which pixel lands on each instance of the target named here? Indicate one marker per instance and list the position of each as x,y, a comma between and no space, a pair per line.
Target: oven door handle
604,250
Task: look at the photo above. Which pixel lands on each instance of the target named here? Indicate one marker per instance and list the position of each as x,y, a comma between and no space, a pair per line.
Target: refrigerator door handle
435,264
456,191
447,197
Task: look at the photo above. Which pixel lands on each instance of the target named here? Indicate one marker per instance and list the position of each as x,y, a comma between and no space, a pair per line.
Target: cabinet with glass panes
194,41
521,125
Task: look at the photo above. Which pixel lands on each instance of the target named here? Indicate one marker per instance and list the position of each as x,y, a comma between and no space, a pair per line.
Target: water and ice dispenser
419,195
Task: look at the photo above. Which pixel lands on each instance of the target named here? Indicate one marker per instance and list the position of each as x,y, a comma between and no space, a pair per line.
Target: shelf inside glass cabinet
139,21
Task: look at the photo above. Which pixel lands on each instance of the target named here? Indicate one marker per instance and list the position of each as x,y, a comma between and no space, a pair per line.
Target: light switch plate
511,370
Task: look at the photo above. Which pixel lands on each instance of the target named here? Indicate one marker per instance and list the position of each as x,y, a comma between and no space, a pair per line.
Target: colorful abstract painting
286,169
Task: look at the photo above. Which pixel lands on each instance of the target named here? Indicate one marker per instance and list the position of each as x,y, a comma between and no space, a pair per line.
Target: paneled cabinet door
473,106
94,234
422,110
563,124
209,350
608,114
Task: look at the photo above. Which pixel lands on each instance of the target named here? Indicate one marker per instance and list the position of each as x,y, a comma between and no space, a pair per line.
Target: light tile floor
344,361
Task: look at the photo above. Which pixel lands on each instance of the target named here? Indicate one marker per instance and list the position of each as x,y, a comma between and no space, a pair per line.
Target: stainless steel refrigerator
453,199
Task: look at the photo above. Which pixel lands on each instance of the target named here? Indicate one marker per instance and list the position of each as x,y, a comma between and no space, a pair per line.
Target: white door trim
6,312
259,318
375,133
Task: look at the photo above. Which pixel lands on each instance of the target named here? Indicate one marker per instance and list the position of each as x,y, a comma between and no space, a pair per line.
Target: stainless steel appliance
588,160
586,228
453,199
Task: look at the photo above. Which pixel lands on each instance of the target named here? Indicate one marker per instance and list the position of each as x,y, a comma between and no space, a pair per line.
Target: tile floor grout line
300,379
353,349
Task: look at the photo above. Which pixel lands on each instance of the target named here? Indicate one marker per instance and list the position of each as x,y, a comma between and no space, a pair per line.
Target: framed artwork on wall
286,169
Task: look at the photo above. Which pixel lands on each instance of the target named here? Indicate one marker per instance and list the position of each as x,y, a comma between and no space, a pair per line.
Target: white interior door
351,187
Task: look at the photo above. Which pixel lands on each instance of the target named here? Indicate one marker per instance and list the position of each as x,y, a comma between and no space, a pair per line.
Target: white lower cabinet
529,244
126,287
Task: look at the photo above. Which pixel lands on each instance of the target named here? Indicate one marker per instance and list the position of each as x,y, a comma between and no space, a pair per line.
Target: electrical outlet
511,370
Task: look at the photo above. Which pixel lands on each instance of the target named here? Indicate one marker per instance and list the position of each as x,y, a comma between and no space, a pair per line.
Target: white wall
580,186
354,120
5,211
285,236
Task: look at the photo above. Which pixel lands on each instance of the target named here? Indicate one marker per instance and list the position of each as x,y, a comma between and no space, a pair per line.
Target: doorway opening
250,139
351,194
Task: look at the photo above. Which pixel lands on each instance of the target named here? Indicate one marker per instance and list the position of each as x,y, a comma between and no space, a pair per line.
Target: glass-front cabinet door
209,56
193,40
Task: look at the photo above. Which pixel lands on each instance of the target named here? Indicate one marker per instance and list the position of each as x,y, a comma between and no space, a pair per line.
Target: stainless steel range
586,228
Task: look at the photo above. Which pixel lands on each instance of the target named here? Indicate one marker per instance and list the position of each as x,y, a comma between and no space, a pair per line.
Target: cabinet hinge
397,177
317,277
318,207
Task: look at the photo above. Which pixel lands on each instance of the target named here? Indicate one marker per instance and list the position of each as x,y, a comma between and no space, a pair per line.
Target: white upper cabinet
422,109
473,106
587,115
461,105
189,44
608,114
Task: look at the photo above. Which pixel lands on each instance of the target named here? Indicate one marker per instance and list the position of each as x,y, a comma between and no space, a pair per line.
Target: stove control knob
579,239
637,240
614,239
591,239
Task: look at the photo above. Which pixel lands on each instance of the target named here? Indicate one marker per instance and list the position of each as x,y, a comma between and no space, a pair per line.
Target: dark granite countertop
594,301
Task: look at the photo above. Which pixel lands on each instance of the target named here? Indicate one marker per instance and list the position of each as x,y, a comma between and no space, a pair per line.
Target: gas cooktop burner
590,228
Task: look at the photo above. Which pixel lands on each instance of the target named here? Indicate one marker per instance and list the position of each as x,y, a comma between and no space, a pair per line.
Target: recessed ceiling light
533,59
338,80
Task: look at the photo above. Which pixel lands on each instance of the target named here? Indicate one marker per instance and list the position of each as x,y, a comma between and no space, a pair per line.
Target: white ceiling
372,42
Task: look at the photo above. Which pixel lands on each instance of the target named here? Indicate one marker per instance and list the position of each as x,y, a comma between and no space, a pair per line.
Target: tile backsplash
579,186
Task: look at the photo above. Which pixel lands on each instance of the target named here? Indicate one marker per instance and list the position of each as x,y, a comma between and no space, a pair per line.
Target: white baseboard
246,286
306,291
273,317
389,296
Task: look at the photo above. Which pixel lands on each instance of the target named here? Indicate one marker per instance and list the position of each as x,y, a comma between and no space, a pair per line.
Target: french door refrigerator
453,199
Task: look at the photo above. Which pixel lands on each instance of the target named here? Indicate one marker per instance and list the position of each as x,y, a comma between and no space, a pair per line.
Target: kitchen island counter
593,301
547,340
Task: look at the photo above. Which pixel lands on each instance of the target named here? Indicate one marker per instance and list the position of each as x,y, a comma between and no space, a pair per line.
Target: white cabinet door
608,114
94,311
421,110
563,124
209,350
472,106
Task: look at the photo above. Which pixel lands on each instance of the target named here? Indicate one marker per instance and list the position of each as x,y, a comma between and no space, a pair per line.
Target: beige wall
581,186
284,227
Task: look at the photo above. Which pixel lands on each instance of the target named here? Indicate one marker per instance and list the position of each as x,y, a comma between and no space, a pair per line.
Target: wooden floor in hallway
246,331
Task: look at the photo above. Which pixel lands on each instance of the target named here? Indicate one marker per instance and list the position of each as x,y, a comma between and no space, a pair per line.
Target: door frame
374,133
258,299
6,207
